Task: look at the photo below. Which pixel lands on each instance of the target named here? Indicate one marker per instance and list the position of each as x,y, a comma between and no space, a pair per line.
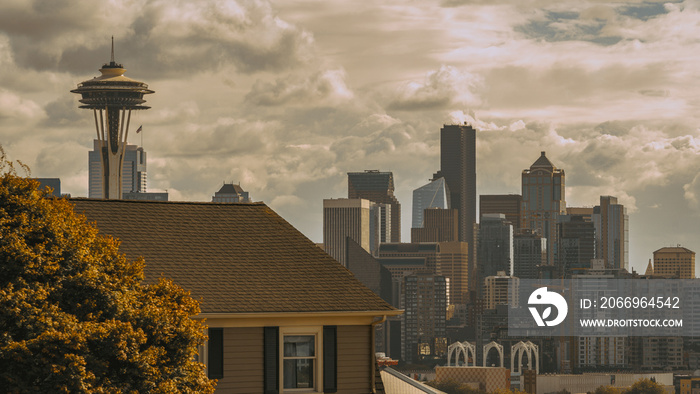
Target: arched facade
524,347
499,349
461,348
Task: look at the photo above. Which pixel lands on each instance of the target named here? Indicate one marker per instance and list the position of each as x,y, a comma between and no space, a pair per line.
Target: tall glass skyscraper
433,195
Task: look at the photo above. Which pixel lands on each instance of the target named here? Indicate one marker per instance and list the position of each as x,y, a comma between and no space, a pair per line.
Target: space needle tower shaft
112,97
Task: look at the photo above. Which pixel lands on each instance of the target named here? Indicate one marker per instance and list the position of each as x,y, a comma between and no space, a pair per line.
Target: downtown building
612,233
678,262
507,204
134,178
529,254
439,225
378,187
458,168
577,244
432,195
425,309
544,199
495,245
357,219
230,193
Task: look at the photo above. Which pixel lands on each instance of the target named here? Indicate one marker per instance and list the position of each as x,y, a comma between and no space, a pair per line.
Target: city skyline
288,97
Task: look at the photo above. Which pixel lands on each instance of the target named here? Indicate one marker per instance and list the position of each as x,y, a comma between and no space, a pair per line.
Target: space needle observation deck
112,97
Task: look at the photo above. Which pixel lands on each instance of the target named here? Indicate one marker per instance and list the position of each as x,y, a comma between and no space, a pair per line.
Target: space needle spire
112,97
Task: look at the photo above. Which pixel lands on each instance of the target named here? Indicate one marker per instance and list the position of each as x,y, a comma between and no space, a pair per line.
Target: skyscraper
433,195
133,179
231,193
439,225
529,253
544,199
495,246
112,97
453,264
612,229
378,187
507,204
577,244
425,301
352,218
458,167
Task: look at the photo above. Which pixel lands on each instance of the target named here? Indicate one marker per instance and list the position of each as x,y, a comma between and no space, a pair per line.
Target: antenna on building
112,49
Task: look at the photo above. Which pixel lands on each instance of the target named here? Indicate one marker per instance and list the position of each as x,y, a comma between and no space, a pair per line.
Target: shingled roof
234,258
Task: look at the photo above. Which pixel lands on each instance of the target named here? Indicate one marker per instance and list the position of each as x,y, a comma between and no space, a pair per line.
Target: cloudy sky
286,97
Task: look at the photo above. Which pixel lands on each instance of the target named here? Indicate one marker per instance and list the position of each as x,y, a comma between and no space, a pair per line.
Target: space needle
112,97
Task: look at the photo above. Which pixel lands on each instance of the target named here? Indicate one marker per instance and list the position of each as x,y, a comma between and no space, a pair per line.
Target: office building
544,199
675,261
368,270
133,179
448,259
426,251
602,352
577,244
149,196
231,193
507,204
453,264
501,289
495,246
351,218
655,352
458,167
529,254
439,225
378,187
112,96
53,183
612,231
425,302
433,195
378,279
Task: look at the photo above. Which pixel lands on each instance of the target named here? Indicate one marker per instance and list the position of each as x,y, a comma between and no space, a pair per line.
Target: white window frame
317,332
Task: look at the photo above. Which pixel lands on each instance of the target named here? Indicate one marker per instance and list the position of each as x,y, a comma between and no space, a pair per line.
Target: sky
286,97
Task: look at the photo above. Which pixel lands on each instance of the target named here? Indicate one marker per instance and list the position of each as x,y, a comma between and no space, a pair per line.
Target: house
282,314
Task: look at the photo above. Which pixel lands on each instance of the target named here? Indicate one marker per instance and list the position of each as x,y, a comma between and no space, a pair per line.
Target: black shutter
215,353
271,363
330,359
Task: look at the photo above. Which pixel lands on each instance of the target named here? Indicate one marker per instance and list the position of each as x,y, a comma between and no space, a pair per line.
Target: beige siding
243,361
354,365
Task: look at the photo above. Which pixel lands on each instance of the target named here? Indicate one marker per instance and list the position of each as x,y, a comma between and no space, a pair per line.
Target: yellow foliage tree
75,314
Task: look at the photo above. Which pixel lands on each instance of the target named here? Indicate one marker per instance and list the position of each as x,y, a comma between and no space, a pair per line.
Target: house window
299,365
300,359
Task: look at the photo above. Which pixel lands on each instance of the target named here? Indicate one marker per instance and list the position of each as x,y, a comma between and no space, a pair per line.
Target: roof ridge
101,200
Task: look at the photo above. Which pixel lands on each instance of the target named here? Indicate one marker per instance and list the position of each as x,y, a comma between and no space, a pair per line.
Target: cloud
164,38
322,88
441,89
15,108
692,194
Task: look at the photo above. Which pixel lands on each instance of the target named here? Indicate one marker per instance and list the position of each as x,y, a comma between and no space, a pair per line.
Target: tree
75,314
645,386
453,387
607,390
